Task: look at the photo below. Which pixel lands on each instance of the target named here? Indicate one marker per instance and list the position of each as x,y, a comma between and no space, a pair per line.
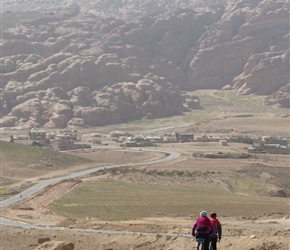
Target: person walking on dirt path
218,228
202,228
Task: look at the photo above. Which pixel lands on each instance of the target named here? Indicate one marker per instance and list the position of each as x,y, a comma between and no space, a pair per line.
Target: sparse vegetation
221,155
111,200
21,156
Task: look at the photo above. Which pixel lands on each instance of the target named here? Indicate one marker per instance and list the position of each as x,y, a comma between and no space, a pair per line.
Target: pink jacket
204,222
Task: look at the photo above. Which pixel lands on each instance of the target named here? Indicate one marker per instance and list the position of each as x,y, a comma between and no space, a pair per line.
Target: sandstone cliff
100,62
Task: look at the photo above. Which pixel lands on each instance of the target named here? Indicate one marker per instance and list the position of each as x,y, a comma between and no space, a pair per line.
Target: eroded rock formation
94,63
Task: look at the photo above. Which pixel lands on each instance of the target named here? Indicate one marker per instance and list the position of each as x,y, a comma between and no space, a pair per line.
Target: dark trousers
206,237
213,243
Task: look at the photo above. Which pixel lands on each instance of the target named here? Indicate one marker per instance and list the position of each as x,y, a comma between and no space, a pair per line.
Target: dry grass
231,186
22,156
123,200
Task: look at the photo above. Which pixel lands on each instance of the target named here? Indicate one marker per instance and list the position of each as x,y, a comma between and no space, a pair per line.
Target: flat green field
111,200
21,156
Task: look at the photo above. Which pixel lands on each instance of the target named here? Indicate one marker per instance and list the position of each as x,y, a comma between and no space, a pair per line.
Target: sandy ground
258,235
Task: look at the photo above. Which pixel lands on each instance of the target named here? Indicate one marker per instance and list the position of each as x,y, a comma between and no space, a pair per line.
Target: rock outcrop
56,245
244,48
281,98
101,62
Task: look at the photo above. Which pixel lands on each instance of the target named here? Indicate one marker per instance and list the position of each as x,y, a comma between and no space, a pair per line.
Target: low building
155,139
269,149
59,144
201,138
223,142
185,137
72,134
256,149
138,142
96,141
267,139
233,138
130,144
35,134
214,138
170,137
20,137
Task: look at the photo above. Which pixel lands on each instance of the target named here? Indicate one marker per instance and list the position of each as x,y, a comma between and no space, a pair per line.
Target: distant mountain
101,62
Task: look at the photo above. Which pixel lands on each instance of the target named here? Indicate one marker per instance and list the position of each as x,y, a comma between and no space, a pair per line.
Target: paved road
170,155
8,222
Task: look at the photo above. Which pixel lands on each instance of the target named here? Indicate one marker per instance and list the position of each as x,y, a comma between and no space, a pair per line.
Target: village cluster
68,140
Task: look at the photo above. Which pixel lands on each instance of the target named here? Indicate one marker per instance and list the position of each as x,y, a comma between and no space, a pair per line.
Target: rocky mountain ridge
95,63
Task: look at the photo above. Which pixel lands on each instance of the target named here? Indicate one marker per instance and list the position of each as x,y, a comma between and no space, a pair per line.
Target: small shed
223,142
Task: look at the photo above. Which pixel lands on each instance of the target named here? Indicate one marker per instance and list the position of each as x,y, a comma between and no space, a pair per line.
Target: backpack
201,229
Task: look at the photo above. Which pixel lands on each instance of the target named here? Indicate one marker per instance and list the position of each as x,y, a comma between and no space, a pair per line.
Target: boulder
42,240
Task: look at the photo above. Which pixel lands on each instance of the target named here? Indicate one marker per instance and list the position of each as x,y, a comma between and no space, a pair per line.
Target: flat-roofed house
36,134
62,142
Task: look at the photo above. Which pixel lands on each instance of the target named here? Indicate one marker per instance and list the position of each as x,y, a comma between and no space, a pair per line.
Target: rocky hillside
101,62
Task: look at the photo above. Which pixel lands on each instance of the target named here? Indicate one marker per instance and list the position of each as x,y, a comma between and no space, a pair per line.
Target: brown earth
262,231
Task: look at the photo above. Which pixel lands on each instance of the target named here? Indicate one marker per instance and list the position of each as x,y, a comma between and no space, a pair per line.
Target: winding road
170,155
